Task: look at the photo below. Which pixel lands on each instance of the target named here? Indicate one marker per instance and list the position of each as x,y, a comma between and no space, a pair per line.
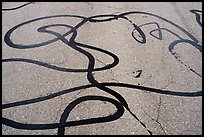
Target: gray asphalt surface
164,73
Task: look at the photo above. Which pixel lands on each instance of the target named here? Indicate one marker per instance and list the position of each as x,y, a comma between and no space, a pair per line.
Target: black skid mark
157,29
196,45
198,19
68,109
17,7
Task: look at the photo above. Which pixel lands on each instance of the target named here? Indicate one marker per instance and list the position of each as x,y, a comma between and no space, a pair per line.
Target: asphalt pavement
101,68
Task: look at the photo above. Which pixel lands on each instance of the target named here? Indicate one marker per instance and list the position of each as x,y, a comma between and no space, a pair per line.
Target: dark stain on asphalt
137,73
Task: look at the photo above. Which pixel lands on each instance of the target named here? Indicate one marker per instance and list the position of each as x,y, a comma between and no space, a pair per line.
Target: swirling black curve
47,65
17,7
198,19
158,28
164,19
68,109
138,29
173,44
53,95
7,37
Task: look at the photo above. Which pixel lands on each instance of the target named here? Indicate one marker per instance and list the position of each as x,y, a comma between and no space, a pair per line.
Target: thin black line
17,7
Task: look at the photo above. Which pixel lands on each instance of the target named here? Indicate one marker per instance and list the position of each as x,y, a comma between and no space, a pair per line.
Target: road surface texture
107,68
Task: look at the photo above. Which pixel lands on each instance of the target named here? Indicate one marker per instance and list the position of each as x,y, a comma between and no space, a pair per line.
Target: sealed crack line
158,109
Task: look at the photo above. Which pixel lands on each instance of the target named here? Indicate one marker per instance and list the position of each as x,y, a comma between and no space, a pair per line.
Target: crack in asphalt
158,108
112,7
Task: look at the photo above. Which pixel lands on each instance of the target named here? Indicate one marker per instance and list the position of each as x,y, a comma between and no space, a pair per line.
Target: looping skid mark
141,34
